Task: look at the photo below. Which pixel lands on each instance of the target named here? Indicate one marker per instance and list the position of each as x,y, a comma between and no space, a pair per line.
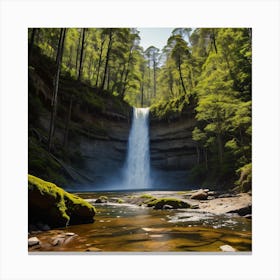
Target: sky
154,37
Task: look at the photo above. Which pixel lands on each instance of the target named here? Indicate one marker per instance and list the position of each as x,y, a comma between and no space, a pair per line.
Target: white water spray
137,169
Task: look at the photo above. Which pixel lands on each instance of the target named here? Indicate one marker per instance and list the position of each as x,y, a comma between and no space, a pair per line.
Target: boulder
33,241
160,203
50,206
199,195
243,211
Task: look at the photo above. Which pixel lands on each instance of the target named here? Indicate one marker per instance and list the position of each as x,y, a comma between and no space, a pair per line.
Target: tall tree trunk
99,61
55,88
206,158
154,66
220,148
213,37
69,63
31,43
108,79
107,58
181,77
198,154
142,88
126,73
142,94
81,55
78,51
90,65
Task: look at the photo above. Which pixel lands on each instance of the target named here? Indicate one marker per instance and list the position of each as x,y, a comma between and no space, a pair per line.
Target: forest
205,70
139,150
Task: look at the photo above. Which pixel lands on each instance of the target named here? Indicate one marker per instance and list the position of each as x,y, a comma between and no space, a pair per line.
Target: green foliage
244,183
147,195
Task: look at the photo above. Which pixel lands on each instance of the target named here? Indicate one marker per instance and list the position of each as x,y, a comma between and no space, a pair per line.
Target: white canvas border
17,16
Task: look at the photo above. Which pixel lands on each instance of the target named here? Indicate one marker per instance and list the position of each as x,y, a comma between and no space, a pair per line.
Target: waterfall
137,168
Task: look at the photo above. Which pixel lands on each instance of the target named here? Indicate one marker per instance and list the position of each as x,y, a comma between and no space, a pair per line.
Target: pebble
32,241
227,248
70,233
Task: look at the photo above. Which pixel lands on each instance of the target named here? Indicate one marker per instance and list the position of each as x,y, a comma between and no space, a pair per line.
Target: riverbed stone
102,199
199,195
243,211
33,241
227,248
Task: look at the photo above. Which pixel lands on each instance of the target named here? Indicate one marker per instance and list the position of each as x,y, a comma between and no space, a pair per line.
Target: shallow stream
121,227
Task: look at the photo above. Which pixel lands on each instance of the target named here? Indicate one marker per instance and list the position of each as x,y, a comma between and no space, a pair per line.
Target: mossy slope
50,204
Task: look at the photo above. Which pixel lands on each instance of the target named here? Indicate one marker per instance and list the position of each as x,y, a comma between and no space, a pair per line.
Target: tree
55,87
179,52
153,55
109,33
81,55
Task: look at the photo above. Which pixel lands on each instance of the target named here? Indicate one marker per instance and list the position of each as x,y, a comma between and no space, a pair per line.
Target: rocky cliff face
101,142
173,152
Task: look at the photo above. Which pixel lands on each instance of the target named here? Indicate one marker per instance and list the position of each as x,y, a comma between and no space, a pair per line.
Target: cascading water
137,168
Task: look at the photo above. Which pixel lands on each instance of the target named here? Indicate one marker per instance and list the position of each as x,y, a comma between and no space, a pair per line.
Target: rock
195,206
70,233
167,207
212,193
227,248
102,199
200,195
69,239
57,241
159,203
248,216
32,241
51,206
243,211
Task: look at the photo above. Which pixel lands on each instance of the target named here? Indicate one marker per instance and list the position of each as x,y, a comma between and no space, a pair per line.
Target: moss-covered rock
160,203
52,205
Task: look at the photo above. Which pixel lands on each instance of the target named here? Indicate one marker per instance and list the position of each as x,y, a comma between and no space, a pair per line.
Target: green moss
120,200
161,202
52,205
147,195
